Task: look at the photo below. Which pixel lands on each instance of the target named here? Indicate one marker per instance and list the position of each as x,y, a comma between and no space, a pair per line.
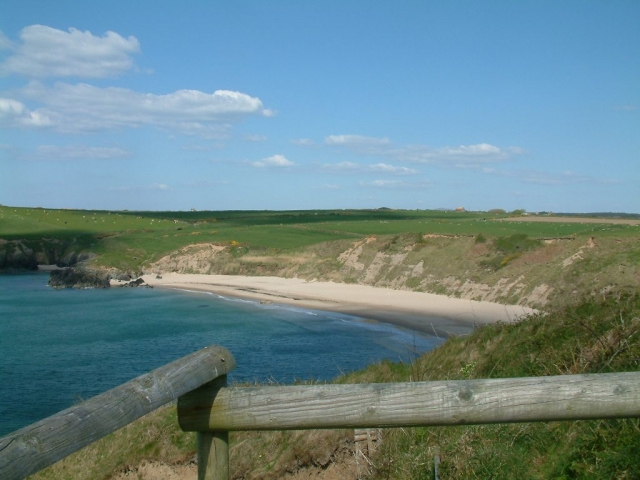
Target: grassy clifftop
596,334
586,277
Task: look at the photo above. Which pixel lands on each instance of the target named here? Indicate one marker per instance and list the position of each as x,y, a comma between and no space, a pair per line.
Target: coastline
422,312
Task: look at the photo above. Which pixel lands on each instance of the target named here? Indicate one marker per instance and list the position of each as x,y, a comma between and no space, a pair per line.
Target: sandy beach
424,312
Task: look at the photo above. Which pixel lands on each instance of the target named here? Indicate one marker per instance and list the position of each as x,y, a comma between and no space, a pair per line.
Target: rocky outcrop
20,255
138,282
79,278
14,256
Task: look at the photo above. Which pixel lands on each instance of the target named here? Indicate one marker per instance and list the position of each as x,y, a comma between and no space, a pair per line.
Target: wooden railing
43,443
210,408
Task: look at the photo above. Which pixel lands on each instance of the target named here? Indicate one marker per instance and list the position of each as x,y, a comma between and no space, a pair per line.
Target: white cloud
355,141
350,167
397,184
79,152
303,142
449,156
384,168
47,52
5,43
84,108
454,156
274,161
16,114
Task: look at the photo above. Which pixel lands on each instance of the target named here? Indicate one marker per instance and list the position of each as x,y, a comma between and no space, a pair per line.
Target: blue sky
334,104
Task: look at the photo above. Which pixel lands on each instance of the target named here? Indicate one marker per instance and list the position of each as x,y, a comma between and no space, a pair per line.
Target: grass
594,335
131,240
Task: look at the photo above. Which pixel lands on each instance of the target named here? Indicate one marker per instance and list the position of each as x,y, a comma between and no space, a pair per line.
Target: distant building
460,209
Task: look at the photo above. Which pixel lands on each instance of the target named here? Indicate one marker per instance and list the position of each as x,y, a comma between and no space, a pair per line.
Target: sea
59,347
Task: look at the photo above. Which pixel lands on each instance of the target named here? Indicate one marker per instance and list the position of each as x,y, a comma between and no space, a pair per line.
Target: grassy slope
431,251
597,334
574,337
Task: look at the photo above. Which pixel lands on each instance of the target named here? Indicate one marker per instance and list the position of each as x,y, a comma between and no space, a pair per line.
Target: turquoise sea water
60,346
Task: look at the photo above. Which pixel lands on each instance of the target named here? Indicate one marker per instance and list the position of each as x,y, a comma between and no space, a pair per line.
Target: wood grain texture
566,397
213,455
213,447
41,444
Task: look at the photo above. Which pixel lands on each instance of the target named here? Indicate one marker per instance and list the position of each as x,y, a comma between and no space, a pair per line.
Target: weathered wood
566,397
41,444
213,455
213,447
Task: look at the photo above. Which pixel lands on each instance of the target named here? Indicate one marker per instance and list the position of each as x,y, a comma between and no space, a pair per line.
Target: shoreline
422,312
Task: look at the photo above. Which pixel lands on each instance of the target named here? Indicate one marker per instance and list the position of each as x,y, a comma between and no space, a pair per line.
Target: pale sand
418,311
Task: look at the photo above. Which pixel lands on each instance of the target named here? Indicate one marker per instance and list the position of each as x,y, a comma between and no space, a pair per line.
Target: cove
58,347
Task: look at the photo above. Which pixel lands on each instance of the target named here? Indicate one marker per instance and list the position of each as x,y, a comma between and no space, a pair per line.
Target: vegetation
597,334
585,275
476,255
130,240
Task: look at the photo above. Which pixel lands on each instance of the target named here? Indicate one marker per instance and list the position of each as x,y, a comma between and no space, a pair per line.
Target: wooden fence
43,443
210,408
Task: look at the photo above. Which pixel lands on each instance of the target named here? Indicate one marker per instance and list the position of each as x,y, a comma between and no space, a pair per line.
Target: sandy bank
424,312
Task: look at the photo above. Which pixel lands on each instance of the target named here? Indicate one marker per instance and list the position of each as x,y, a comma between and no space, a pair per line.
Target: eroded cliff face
20,255
554,269
15,256
79,278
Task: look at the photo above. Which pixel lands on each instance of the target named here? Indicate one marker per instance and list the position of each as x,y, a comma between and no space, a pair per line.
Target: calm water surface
60,346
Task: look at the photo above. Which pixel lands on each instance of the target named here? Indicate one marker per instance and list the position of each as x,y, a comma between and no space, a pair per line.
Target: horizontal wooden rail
565,397
41,444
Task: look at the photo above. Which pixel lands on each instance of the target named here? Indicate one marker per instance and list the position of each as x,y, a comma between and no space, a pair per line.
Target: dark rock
79,278
138,282
17,257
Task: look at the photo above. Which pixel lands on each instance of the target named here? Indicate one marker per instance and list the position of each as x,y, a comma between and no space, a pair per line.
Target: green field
283,229
130,240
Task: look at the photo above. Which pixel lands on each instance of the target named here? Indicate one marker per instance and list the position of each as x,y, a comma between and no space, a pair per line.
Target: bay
58,347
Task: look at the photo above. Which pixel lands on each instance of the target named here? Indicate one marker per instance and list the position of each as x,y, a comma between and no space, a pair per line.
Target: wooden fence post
213,455
43,443
213,446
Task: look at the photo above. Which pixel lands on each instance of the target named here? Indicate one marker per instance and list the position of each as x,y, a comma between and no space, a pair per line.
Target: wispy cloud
5,43
204,183
548,178
85,108
626,108
355,141
79,152
356,168
303,142
443,156
397,184
47,52
274,161
16,114
160,187
256,138
454,156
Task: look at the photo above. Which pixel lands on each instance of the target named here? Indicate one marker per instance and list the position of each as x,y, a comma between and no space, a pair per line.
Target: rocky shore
79,278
